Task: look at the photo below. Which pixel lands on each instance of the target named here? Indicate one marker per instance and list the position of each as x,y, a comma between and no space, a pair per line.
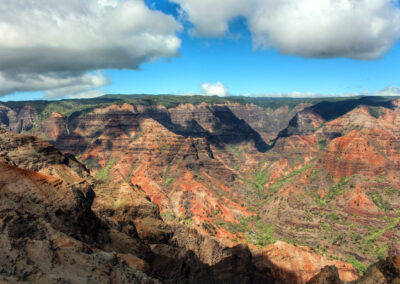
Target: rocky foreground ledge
60,225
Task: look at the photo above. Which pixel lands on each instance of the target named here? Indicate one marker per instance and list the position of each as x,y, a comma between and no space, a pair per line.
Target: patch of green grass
379,202
322,144
381,252
326,226
167,181
380,232
260,176
313,176
104,174
284,180
391,191
338,189
119,204
254,229
334,217
362,267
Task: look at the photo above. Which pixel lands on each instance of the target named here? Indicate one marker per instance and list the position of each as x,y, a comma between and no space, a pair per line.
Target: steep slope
324,176
49,232
155,146
341,197
60,224
382,272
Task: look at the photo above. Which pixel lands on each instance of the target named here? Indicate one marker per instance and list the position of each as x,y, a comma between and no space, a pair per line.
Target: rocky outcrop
297,264
48,232
19,120
328,275
382,272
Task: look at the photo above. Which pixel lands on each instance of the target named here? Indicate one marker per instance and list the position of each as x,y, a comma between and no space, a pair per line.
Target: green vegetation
380,232
168,216
209,228
253,229
391,191
187,221
362,267
260,176
338,189
119,204
91,162
334,217
313,176
326,226
381,252
284,180
238,154
322,144
167,181
327,107
72,109
375,111
104,174
379,202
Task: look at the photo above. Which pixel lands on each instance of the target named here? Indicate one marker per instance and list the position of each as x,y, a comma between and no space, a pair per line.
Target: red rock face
370,146
325,176
297,264
20,121
59,224
356,202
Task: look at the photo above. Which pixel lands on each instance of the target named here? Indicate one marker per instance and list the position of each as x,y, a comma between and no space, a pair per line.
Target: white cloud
211,17
389,91
54,84
46,39
296,94
360,29
217,89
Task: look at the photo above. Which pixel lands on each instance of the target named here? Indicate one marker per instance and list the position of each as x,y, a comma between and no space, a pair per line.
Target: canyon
201,189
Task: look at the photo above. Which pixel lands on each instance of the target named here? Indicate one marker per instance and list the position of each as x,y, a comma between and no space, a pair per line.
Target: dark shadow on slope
232,130
174,265
228,129
332,110
329,110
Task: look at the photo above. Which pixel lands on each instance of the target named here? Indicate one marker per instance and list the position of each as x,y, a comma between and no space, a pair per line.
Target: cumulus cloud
217,89
211,17
360,29
50,44
54,84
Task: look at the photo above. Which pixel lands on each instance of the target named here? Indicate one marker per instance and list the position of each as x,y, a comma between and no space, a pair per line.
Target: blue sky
232,59
243,70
